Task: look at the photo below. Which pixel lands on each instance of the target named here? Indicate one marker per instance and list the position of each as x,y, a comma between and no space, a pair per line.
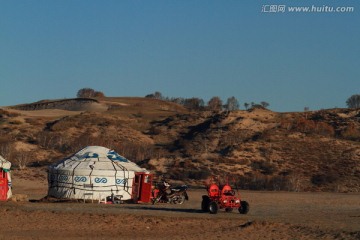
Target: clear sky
182,48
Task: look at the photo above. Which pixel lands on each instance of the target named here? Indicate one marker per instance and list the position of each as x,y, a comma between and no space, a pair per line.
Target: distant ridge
73,104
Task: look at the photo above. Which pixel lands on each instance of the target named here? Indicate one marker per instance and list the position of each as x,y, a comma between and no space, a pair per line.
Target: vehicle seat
227,190
213,190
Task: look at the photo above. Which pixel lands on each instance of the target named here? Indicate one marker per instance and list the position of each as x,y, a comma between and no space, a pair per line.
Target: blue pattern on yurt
114,156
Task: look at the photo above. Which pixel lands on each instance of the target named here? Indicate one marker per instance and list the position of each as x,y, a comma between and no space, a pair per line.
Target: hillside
260,149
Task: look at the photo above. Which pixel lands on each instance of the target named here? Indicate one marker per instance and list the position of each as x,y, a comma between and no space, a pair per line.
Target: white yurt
5,179
92,173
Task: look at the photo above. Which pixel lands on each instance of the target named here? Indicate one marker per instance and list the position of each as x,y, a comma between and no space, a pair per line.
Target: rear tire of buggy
213,208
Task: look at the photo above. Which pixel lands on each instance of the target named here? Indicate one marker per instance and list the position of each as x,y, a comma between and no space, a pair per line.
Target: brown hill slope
260,149
266,150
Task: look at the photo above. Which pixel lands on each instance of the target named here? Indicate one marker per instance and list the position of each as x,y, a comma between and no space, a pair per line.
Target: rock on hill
258,149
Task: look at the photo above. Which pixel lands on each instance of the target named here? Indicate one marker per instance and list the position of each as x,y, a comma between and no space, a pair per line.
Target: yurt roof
97,158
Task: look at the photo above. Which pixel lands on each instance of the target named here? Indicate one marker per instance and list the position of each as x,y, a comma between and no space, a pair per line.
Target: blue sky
187,48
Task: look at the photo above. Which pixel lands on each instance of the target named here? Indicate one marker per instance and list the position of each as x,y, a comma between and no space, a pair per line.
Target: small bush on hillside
199,174
49,140
154,130
321,179
305,126
62,124
195,174
22,160
7,149
286,124
264,167
15,122
351,132
325,129
4,113
33,121
138,114
310,126
257,181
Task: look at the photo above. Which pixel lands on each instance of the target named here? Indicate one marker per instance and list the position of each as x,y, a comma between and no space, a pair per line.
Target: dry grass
266,150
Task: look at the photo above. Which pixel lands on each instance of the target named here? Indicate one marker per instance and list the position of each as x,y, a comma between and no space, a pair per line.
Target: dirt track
273,215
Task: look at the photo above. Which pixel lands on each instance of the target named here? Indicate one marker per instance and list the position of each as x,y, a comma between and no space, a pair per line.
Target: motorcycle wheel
156,200
179,200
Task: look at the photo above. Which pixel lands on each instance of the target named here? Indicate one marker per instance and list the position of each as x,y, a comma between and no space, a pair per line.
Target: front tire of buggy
244,208
213,208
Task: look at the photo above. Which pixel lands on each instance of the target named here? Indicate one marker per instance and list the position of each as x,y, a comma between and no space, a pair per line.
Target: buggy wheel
244,208
205,203
228,209
213,208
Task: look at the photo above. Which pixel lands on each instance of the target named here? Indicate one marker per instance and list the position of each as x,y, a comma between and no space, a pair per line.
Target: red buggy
222,198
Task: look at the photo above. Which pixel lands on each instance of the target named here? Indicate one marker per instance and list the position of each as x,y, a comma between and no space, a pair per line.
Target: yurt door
142,187
3,186
146,187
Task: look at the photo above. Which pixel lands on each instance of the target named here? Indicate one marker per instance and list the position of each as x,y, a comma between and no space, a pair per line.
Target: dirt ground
273,215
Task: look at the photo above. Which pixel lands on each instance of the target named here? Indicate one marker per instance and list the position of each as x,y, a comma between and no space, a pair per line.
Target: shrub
196,174
257,181
7,149
351,132
264,167
324,129
322,179
22,160
305,125
89,93
15,122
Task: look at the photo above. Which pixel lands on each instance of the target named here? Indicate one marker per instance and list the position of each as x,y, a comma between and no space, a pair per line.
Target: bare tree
156,95
232,104
89,93
178,100
306,110
246,105
7,150
194,103
22,159
264,104
353,101
99,95
215,104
